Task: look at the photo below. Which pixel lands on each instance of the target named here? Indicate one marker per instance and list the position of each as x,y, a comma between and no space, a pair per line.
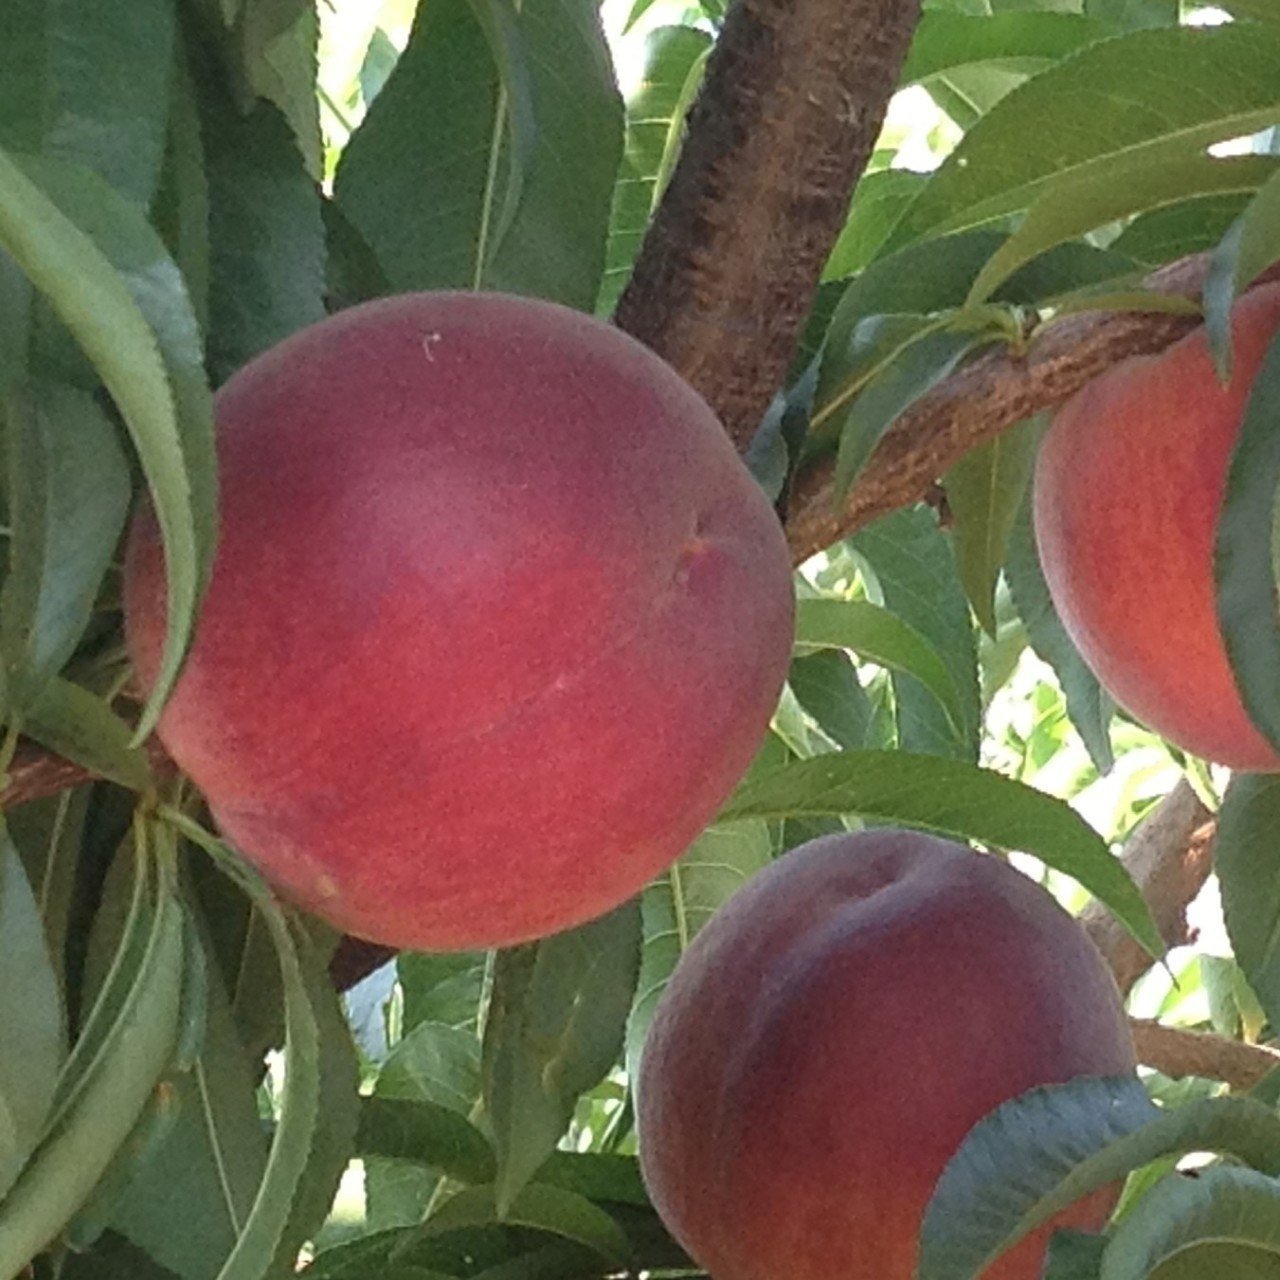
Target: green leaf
1074,1255
436,1064
826,686
1177,230
1245,576
1037,1154
944,41
1148,93
266,234
112,1089
180,212
1088,704
557,1018
112,284
1114,189
1256,242
915,569
543,1208
31,1014
985,489
24,69
441,987
80,727
673,62
463,177
1245,858
214,1157
879,636
877,203
910,373
596,1176
107,89
424,1133
677,904
332,1140
278,43
262,1234
1232,1215
69,491
1260,10
954,798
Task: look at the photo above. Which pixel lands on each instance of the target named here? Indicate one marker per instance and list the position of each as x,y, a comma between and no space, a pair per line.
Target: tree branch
1178,1053
792,104
1169,856
978,402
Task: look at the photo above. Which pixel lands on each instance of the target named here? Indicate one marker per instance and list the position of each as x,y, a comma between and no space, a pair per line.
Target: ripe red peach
1128,487
496,622
833,1033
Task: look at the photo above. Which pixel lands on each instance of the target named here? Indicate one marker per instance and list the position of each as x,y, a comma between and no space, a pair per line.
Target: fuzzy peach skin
834,1032
1128,486
497,619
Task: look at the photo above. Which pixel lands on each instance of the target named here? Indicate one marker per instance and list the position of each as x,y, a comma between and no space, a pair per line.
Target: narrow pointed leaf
113,285
556,1023
952,798
69,490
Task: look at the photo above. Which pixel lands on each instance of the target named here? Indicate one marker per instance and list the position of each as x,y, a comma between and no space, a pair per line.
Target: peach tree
877,244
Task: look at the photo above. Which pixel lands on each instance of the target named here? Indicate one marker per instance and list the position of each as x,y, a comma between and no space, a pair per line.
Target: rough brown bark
1169,857
793,101
982,399
1178,1053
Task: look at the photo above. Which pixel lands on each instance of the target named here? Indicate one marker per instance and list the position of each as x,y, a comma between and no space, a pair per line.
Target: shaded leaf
1245,858
826,685
556,1022
441,987
107,89
677,904
985,489
508,190
1245,578
69,491
879,636
424,1133
1179,229
1088,704
954,798
877,203
542,1207
266,235
112,284
214,1157
914,566
80,727
673,62
1035,1155
31,1014
433,1063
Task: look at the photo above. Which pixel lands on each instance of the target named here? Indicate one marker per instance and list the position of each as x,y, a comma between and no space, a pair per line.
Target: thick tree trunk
794,98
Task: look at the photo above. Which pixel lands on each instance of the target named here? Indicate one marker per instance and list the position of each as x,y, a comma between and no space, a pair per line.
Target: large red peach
1128,487
833,1033
496,622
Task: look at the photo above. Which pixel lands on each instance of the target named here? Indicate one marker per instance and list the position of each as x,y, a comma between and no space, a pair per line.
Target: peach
496,622
1128,487
833,1033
